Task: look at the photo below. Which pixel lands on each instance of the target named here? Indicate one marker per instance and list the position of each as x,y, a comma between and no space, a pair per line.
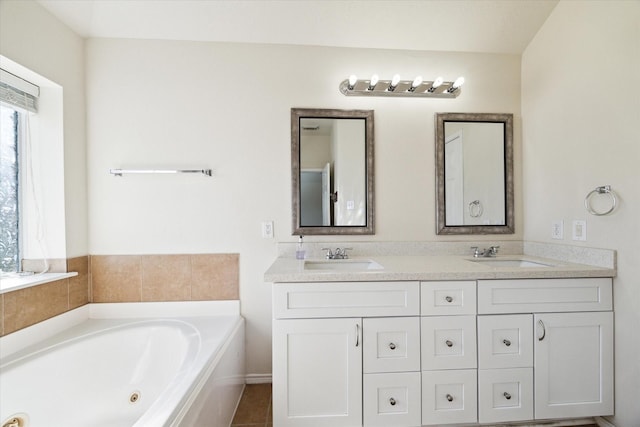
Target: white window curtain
18,92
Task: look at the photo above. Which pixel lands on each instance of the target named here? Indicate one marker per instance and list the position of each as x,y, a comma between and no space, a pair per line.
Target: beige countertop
432,267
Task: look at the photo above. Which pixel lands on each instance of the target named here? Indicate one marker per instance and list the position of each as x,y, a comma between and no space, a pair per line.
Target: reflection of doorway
315,193
454,179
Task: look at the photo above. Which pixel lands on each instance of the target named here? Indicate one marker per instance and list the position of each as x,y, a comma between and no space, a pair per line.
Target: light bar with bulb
437,88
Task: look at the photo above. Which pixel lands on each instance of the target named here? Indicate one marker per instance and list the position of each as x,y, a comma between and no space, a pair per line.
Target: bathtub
111,365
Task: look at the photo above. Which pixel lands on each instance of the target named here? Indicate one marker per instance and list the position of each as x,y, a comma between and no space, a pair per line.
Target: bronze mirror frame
441,226
303,113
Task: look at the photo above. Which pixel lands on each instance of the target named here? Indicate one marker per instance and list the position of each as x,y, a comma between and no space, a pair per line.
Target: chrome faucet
492,251
340,253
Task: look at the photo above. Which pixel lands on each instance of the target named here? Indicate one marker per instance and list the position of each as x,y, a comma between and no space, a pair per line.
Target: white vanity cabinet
409,353
559,353
346,354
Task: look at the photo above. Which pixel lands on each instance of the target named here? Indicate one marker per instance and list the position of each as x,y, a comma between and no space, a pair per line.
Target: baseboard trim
603,422
257,379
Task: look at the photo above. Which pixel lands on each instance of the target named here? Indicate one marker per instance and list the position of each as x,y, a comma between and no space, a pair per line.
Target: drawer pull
544,330
449,398
507,396
357,335
392,346
392,402
448,298
448,343
506,342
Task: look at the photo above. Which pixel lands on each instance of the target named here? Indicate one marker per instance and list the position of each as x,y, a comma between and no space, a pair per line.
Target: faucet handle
494,250
329,254
476,252
344,252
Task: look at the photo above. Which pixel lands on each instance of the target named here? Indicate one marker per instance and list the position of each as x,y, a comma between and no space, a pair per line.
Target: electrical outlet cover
557,229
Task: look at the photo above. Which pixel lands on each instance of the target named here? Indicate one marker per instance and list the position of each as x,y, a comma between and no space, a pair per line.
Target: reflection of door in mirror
332,172
474,173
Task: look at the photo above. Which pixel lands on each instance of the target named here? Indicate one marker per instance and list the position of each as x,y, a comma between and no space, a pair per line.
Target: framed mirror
332,171
474,173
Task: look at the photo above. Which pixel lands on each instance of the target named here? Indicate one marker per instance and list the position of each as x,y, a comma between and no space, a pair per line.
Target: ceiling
493,26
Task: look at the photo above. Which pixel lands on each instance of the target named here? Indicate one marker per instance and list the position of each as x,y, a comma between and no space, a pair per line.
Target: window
10,120
18,99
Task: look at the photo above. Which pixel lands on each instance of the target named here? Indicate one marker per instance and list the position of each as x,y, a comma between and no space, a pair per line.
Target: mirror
474,173
332,171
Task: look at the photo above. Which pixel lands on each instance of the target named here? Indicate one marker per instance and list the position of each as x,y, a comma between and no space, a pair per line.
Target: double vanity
440,339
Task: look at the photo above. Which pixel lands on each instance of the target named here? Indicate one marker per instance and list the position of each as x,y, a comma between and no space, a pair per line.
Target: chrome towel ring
605,189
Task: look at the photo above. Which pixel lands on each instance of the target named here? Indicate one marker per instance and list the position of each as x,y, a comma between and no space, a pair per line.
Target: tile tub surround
28,306
143,278
123,278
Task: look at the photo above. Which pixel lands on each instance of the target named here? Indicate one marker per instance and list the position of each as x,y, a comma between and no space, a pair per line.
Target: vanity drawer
447,298
391,344
544,295
449,397
345,299
448,342
505,341
505,395
392,399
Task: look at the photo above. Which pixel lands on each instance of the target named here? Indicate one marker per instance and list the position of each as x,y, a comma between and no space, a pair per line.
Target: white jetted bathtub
112,365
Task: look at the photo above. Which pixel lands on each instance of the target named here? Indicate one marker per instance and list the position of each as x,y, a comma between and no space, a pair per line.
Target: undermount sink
510,263
342,265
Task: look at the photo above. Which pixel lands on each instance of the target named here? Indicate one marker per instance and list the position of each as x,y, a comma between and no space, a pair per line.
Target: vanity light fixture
417,87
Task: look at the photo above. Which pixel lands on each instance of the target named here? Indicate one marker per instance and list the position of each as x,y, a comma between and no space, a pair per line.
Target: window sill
10,284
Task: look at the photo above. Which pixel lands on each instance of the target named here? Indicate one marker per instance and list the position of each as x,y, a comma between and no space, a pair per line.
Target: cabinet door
317,372
573,364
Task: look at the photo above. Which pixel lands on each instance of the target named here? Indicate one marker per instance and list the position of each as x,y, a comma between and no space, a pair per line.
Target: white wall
227,106
33,38
581,111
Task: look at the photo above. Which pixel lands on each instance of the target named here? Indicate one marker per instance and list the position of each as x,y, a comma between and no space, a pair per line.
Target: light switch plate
579,230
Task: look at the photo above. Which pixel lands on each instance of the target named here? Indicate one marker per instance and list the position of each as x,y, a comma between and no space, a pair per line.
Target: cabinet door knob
392,402
507,395
392,346
448,343
448,298
449,398
506,342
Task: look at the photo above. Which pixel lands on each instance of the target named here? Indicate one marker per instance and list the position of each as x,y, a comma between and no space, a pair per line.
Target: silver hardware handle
448,343
448,298
449,398
329,254
506,342
392,402
357,334
544,330
392,346
507,396
120,172
476,252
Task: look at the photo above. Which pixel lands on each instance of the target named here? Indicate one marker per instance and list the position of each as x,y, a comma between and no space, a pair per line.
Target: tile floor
255,407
